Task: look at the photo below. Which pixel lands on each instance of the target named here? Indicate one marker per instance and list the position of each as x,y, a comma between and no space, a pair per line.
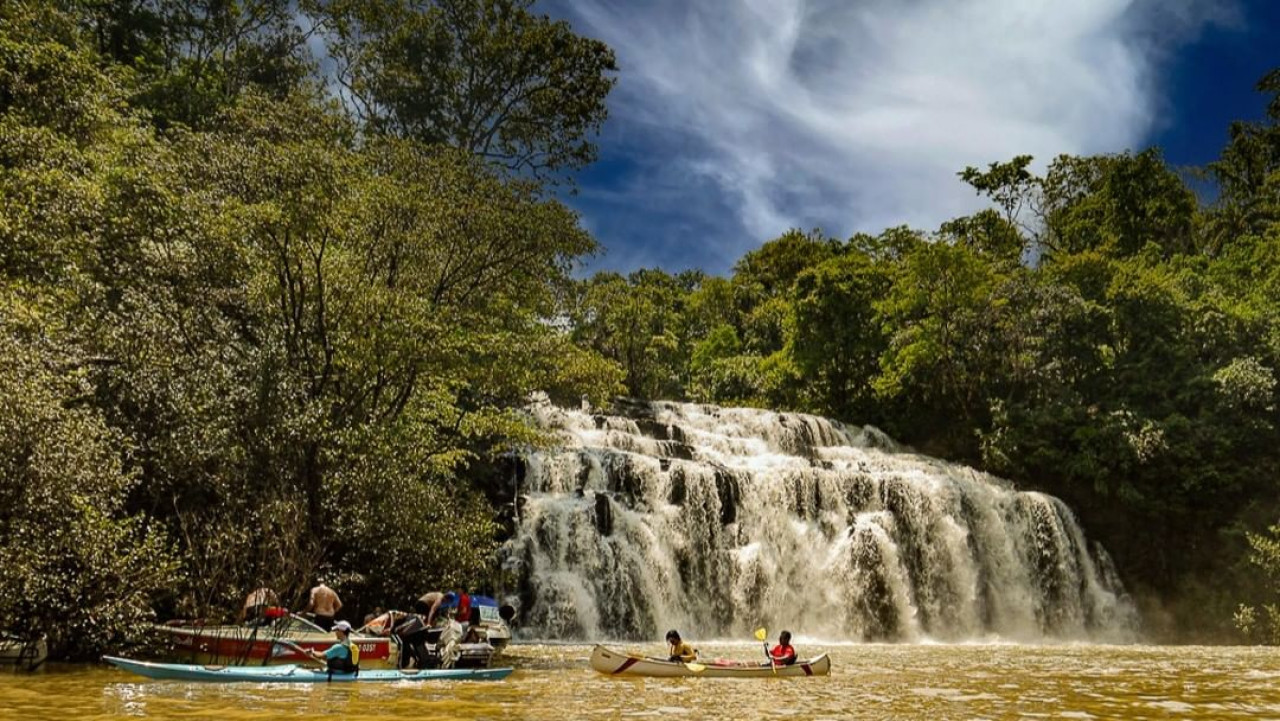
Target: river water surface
867,681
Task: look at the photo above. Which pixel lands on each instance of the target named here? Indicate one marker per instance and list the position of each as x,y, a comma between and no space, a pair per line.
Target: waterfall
719,520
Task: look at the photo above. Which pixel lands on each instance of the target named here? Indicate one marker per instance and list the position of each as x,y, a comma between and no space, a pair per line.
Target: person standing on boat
462,608
783,654
343,656
258,601
680,651
324,604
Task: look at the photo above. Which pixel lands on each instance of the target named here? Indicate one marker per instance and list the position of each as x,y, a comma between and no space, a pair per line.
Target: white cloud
856,114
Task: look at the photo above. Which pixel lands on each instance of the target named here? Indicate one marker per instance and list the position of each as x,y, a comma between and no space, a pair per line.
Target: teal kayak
296,674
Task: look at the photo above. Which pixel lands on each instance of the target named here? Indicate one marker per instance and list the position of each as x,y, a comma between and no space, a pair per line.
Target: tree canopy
488,76
253,342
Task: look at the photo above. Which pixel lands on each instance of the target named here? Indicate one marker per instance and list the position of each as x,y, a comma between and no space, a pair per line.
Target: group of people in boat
414,629
323,605
681,651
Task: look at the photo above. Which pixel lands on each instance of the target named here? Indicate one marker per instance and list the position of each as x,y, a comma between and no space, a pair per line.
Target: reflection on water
867,681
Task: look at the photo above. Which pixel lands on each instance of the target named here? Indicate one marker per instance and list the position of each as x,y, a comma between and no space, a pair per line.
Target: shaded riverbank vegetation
249,337
276,277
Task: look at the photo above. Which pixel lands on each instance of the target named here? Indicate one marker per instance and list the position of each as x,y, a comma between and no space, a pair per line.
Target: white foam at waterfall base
719,520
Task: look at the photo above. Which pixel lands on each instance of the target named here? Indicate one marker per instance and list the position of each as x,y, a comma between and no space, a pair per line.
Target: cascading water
718,520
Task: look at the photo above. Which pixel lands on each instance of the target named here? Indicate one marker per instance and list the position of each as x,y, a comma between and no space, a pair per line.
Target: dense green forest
276,278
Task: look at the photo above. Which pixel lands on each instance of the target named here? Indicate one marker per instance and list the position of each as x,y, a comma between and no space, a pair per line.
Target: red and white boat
277,641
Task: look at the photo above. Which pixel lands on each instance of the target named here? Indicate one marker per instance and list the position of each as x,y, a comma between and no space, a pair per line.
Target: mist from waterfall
720,520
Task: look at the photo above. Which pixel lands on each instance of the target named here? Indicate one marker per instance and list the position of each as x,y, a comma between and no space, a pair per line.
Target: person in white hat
343,656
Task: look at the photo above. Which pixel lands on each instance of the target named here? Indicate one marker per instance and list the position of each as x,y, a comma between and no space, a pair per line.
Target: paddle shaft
296,647
762,634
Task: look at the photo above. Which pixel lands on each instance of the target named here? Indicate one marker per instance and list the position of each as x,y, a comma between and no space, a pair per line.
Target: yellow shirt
686,652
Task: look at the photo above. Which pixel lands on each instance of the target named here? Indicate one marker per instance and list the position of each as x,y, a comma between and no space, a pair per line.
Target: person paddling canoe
343,656
680,651
783,654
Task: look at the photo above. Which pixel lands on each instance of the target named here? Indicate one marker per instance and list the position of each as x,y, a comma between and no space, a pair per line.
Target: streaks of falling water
718,520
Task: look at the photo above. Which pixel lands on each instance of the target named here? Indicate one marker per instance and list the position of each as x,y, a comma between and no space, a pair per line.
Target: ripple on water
1178,707
872,681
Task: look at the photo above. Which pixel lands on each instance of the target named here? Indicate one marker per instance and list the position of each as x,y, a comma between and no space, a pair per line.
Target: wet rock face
730,494
604,515
719,520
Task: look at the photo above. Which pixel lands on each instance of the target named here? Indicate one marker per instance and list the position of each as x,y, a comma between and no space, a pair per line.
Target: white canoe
615,663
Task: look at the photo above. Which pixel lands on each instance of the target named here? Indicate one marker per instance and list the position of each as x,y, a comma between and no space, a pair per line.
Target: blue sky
734,120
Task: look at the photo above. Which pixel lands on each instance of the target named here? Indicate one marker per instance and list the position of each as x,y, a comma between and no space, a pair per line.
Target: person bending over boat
783,654
428,606
324,604
436,606
343,656
410,629
680,651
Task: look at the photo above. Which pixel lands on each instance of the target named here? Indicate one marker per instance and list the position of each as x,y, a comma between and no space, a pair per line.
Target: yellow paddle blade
761,634
695,667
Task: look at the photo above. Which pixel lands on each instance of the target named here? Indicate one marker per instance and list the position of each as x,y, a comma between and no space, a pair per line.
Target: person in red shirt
463,613
783,654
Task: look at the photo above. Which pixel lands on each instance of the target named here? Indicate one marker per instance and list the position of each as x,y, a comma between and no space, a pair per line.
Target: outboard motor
449,647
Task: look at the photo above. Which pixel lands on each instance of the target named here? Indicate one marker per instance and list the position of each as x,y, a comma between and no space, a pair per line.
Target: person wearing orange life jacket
783,654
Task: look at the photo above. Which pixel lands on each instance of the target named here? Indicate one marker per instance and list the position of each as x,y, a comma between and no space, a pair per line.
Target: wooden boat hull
295,674
614,663
23,654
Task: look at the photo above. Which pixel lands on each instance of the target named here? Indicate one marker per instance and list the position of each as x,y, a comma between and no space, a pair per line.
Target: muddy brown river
867,681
